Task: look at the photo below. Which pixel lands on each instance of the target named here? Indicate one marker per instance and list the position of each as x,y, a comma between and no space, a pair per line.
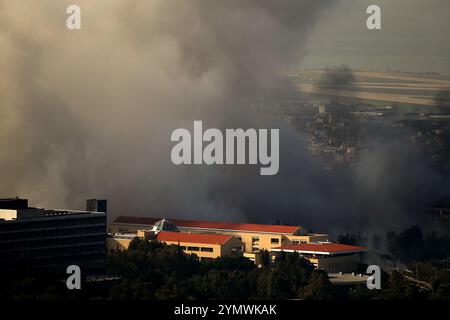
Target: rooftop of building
326,248
13,203
13,209
347,278
216,225
185,237
164,225
129,236
59,212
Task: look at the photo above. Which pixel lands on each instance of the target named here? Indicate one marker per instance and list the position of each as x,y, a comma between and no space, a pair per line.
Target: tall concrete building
48,241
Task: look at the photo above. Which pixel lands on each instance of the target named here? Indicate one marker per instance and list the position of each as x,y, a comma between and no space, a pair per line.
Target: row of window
53,249
342,264
73,254
272,240
51,223
202,249
52,234
51,242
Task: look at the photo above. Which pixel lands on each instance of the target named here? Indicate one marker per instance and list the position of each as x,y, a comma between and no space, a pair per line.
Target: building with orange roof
331,257
254,237
205,246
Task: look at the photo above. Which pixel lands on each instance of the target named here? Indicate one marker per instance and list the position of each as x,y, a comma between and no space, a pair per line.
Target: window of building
207,249
193,248
255,244
274,241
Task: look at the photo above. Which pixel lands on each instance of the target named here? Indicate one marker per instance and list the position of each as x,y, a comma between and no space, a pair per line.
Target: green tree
264,258
318,287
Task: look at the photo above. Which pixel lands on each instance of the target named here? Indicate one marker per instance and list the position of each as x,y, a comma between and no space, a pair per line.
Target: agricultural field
394,87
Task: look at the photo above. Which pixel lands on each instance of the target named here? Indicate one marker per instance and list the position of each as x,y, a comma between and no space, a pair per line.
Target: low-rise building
331,257
204,246
254,237
211,239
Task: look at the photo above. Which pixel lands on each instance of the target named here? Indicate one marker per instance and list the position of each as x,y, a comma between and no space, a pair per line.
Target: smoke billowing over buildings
90,113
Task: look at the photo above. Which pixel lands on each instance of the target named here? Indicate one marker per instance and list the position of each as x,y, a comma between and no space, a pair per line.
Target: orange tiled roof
328,248
211,225
193,237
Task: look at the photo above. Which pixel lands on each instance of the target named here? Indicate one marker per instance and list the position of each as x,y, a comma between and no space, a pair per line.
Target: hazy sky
415,36
89,113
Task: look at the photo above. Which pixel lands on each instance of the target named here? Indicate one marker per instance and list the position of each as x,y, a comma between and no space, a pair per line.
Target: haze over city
237,157
90,113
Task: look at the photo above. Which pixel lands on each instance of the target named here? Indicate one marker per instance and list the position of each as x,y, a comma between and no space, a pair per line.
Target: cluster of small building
431,133
45,240
212,239
333,133
336,131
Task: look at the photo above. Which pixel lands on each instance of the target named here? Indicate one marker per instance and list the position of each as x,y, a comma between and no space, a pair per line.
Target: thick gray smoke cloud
89,113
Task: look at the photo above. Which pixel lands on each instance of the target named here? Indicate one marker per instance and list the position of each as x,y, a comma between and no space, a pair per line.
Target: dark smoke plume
89,114
337,77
